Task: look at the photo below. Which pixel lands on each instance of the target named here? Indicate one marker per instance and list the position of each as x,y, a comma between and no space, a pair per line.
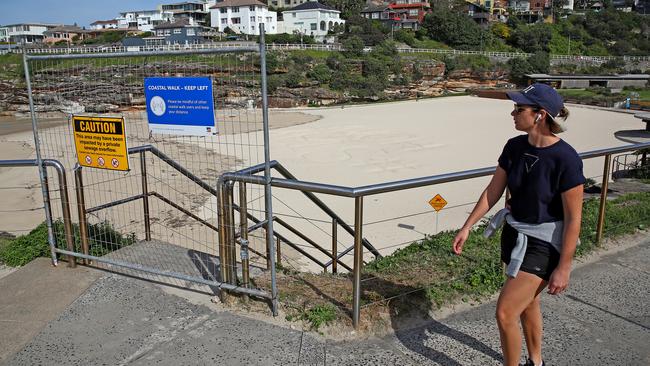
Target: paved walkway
603,319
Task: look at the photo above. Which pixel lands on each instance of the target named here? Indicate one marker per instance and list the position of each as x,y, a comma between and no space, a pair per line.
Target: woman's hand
459,240
559,280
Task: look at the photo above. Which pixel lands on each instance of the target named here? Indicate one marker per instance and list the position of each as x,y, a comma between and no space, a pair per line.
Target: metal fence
160,217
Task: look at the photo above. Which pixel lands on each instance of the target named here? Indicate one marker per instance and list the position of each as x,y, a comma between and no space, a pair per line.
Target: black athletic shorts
540,259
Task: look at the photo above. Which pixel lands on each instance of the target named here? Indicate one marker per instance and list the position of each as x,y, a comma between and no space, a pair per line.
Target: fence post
41,169
603,199
358,260
145,196
65,207
278,252
268,198
81,209
231,256
221,217
334,246
243,234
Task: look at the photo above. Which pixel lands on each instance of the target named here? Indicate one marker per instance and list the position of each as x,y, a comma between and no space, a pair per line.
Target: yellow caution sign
100,142
438,203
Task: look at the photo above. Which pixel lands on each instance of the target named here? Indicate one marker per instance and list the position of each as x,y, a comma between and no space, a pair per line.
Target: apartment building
144,20
243,16
26,33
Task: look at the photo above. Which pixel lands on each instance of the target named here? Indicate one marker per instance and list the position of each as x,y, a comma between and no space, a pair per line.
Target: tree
532,38
353,46
519,67
456,30
348,8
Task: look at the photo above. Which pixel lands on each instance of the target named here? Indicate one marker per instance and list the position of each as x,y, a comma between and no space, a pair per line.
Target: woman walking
542,217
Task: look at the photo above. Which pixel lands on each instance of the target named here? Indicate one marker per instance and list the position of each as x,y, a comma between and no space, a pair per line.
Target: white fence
315,47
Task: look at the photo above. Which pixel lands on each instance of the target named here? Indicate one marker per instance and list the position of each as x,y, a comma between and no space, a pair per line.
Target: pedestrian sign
438,203
100,140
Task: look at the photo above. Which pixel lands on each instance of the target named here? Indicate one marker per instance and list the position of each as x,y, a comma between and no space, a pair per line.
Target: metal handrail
65,201
373,189
184,171
277,166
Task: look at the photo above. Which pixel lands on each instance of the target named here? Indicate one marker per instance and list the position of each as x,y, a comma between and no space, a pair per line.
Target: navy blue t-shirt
537,177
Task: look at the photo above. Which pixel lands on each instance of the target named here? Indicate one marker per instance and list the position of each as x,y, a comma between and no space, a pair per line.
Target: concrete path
602,320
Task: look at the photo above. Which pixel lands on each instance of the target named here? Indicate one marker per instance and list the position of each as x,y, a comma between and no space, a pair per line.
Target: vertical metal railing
267,172
145,196
81,212
65,202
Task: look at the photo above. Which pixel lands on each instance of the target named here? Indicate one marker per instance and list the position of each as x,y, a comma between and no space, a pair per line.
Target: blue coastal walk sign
180,105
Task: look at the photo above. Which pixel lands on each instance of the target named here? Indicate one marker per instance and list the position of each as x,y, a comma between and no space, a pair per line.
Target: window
413,12
236,20
235,9
269,19
223,10
314,26
177,31
293,14
191,32
224,21
375,15
259,19
159,33
252,19
168,32
251,8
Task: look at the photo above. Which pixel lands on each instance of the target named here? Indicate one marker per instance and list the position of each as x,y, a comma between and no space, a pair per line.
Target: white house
104,24
4,37
311,18
144,20
27,32
286,3
243,16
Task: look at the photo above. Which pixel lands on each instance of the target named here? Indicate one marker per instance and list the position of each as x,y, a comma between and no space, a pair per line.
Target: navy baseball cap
540,95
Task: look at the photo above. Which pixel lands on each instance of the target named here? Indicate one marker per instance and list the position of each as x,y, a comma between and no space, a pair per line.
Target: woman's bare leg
531,322
516,295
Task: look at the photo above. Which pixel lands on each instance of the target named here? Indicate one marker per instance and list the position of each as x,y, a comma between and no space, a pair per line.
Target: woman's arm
572,206
489,198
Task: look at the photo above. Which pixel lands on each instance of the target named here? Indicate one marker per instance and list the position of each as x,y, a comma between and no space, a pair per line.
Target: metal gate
160,218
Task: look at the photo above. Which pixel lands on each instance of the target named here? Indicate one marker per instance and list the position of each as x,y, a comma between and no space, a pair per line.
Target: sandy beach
350,146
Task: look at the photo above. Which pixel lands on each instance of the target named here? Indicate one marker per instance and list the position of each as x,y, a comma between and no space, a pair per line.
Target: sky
82,12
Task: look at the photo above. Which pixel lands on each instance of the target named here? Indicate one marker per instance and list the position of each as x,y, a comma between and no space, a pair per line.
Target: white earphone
538,117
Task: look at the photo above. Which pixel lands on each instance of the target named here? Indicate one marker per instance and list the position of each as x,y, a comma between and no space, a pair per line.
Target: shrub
320,73
102,239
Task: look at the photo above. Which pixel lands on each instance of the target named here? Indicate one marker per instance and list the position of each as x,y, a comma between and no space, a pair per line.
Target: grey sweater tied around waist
550,232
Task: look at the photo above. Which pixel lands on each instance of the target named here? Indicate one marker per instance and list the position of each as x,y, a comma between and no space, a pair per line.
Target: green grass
102,240
577,93
433,275
429,43
312,53
319,315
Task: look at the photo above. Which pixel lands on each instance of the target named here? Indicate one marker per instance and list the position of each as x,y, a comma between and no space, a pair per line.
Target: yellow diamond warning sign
100,142
438,203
